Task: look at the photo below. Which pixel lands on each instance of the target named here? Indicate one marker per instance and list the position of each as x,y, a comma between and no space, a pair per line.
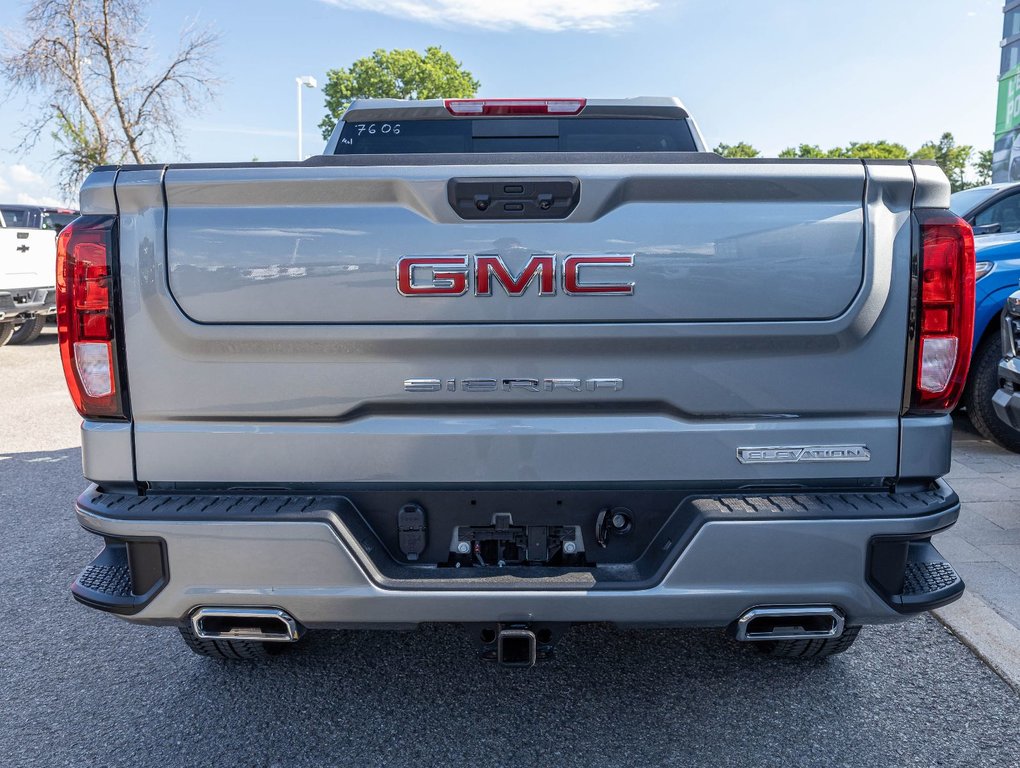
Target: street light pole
308,82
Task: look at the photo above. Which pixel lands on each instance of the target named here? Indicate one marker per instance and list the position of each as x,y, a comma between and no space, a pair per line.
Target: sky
774,73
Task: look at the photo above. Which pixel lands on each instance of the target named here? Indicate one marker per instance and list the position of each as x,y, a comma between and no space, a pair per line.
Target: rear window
21,218
515,135
57,220
963,202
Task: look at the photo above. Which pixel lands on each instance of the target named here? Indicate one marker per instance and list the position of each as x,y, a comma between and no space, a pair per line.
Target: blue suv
994,213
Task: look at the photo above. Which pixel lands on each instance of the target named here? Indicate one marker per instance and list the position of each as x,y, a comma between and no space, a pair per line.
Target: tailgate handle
23,235
514,198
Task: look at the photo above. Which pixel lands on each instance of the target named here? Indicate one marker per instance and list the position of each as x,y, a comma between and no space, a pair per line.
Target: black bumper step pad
110,580
928,578
913,576
124,577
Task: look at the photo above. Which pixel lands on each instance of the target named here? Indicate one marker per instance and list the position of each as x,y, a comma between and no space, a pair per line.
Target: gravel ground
78,687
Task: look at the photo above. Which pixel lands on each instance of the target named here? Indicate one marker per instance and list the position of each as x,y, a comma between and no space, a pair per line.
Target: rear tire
28,331
231,650
981,387
809,649
6,331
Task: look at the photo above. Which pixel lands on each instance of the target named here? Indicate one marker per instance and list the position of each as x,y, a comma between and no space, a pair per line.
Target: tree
812,151
740,149
952,159
104,99
983,167
883,150
396,74
872,150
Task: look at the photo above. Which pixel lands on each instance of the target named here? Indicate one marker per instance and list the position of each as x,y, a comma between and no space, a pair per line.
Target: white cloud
539,15
20,185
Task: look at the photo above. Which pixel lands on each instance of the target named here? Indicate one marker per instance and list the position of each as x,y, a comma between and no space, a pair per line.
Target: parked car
517,364
27,269
998,274
1007,396
990,209
37,216
994,213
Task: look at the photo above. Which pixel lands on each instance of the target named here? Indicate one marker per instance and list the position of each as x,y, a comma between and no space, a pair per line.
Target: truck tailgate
27,258
267,341
290,248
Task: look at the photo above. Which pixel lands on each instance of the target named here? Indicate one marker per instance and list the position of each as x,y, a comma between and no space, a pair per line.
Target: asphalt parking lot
78,687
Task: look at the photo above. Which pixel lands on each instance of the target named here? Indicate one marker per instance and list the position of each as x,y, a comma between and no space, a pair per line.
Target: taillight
86,327
944,318
487,107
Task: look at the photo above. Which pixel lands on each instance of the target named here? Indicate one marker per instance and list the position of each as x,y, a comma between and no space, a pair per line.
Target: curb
992,639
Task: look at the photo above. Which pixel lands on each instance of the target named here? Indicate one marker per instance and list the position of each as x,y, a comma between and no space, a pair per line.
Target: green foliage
740,149
983,167
873,150
812,151
396,74
882,150
952,159
79,147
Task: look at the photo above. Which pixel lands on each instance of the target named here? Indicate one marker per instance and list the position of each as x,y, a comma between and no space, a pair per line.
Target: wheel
981,387
231,650
6,331
809,649
28,331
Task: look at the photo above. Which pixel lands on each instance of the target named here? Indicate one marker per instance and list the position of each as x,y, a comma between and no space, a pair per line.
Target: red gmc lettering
573,286
449,275
444,282
487,267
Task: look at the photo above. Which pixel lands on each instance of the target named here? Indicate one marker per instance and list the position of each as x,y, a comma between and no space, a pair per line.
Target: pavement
78,687
984,545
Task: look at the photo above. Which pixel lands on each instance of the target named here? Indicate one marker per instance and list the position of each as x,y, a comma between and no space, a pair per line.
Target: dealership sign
1007,117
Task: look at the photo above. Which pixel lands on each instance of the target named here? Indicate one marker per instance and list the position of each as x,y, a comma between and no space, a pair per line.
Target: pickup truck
27,260
516,364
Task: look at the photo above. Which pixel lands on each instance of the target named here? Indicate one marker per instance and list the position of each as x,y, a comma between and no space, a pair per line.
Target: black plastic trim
514,197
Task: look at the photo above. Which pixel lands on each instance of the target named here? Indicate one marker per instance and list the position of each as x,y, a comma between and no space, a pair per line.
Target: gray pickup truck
515,365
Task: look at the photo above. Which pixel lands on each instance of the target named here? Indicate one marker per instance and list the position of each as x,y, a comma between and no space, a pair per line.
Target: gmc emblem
453,275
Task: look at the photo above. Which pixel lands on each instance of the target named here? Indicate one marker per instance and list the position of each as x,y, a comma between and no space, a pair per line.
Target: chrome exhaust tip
267,625
790,623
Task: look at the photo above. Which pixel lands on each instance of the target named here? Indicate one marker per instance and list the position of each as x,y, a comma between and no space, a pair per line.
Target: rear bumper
302,555
28,302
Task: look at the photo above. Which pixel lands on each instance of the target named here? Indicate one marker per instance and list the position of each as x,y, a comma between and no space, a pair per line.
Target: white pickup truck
28,255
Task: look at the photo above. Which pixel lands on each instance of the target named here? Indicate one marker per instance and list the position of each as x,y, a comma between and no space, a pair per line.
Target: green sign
1007,116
